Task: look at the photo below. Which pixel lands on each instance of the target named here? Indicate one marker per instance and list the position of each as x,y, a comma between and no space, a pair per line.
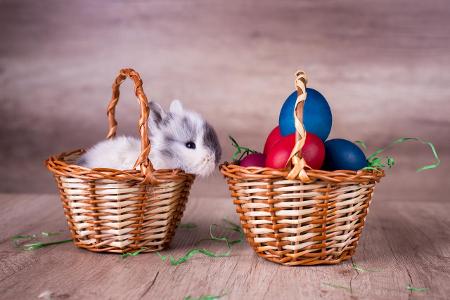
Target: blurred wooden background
382,65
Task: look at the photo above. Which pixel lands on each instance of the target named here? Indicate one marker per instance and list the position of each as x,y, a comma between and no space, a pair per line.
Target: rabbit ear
176,107
157,114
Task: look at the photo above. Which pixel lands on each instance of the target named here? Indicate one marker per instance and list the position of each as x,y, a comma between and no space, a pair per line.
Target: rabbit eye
190,145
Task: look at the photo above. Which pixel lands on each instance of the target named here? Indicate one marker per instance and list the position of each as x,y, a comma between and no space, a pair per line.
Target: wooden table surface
404,243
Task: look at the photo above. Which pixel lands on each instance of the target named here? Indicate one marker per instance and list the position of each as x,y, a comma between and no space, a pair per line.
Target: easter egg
253,160
342,154
313,152
273,138
278,155
317,116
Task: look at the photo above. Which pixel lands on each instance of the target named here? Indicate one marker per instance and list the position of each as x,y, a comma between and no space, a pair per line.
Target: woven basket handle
146,166
296,161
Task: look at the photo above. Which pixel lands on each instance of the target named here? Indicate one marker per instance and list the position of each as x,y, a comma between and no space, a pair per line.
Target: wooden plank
405,244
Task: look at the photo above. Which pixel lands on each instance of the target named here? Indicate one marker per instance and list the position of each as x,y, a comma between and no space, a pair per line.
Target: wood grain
403,243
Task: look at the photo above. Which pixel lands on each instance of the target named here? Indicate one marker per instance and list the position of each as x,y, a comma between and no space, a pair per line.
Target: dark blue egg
342,154
317,116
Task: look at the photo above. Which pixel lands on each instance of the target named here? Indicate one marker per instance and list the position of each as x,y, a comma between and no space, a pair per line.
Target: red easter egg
273,138
253,160
278,155
313,152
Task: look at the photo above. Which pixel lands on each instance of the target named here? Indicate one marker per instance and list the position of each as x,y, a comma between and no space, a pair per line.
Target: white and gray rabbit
179,138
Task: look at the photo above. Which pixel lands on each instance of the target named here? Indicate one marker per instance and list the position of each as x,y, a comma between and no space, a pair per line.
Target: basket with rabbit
137,206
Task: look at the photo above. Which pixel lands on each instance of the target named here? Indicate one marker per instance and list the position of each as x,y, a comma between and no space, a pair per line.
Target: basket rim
58,165
237,172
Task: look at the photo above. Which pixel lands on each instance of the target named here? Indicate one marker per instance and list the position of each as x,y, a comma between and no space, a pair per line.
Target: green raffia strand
135,253
390,162
362,144
23,237
361,269
190,253
204,297
225,239
32,236
163,257
414,289
376,163
337,286
235,227
17,239
188,225
239,150
34,246
45,233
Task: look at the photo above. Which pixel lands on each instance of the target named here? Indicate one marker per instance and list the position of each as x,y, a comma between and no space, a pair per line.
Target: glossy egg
273,138
317,117
313,152
253,160
341,154
278,155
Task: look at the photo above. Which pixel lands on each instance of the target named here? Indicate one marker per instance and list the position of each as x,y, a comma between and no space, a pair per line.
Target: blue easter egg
317,116
342,154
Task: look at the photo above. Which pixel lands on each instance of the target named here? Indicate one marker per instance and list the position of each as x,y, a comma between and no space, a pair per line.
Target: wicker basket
300,216
121,210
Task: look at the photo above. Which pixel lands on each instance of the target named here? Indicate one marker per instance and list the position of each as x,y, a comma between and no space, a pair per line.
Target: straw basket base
110,212
119,211
294,223
309,262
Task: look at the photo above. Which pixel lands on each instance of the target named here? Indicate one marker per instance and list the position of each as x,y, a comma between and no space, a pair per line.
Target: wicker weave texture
297,215
295,223
119,211
121,216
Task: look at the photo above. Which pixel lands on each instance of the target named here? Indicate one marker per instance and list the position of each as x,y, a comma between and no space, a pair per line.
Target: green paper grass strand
337,286
230,242
33,236
225,239
361,144
362,270
46,233
234,227
375,162
191,253
38,245
135,253
415,289
23,237
163,257
240,150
